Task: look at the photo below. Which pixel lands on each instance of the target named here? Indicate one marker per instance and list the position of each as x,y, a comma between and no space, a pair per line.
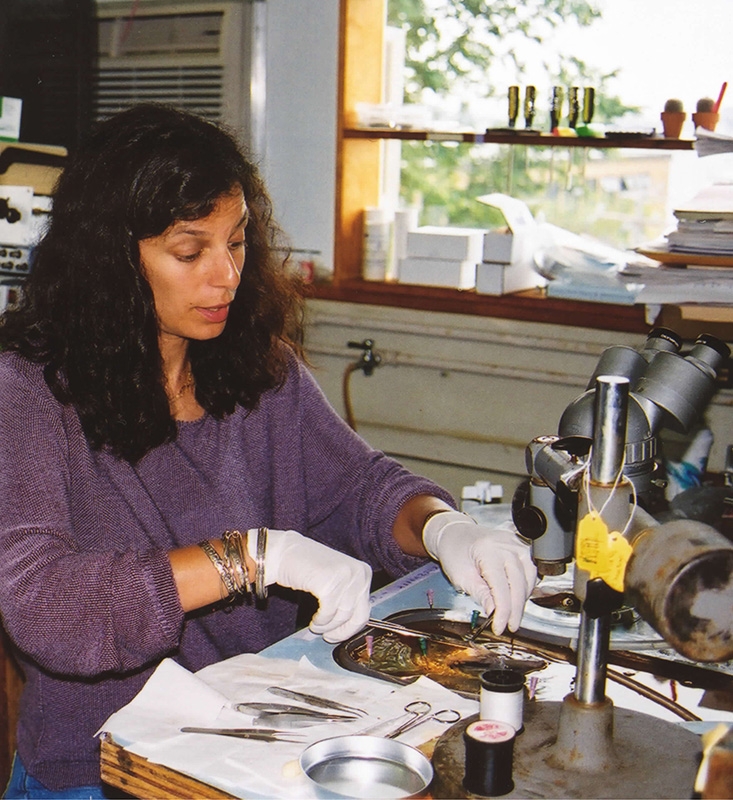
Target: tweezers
394,627
319,702
276,709
476,632
260,734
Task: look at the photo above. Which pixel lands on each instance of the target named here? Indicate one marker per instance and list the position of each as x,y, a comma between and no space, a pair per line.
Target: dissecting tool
259,734
319,702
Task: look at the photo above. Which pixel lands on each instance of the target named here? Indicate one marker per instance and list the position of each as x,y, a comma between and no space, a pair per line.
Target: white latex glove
339,582
492,565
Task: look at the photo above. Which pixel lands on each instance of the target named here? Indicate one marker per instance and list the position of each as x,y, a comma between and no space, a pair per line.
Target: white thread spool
502,697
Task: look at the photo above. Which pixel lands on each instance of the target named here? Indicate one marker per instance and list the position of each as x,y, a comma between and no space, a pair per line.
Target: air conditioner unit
206,57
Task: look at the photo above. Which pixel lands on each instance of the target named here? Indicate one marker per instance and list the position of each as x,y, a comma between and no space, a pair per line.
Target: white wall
301,103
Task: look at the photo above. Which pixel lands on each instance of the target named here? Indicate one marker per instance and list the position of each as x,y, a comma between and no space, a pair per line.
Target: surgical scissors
421,711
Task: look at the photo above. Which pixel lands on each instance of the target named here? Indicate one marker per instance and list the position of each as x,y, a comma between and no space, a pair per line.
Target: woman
157,420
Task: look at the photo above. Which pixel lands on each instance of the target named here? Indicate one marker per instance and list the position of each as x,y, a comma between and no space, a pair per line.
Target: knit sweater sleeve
354,490
76,606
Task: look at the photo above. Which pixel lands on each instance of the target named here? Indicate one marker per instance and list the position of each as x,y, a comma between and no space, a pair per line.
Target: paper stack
705,223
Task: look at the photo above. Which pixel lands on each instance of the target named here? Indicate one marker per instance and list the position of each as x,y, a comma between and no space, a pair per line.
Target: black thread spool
489,758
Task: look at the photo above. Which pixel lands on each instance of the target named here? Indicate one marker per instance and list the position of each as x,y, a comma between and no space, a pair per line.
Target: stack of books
705,223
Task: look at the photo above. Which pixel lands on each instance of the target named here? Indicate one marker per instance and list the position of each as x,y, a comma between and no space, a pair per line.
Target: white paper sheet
173,697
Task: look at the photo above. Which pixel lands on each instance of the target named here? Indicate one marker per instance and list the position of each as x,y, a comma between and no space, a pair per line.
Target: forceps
282,709
258,734
420,712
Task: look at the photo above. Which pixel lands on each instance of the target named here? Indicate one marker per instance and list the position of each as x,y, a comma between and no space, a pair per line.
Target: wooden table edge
139,777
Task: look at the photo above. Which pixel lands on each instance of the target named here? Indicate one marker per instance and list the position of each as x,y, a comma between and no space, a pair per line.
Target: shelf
520,138
531,305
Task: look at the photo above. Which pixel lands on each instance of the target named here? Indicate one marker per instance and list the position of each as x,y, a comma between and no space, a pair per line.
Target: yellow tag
619,552
601,553
591,542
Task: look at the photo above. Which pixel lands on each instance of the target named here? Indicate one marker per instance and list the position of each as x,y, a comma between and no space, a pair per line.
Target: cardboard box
437,272
457,244
513,244
505,278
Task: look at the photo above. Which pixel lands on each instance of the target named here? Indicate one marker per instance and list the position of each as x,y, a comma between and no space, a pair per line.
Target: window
636,54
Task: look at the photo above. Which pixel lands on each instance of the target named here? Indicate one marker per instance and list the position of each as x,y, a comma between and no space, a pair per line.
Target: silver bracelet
226,578
234,548
260,587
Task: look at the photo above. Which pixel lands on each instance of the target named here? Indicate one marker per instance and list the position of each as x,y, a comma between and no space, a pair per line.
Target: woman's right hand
339,582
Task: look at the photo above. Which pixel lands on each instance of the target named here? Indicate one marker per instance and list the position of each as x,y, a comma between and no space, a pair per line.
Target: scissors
420,711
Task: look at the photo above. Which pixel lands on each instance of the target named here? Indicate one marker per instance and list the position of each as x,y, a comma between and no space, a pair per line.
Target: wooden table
141,778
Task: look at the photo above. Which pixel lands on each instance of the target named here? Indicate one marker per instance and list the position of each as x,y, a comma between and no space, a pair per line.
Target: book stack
697,257
705,223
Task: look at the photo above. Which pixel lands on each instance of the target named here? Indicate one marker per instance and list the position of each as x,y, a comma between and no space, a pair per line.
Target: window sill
531,305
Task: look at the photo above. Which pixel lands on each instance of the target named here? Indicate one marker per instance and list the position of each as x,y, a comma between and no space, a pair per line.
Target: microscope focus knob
529,520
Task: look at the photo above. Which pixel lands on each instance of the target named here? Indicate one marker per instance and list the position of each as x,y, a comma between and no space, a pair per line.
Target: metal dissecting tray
458,674
526,646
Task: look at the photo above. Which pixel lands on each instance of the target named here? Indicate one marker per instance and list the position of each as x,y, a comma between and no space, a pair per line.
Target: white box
505,278
459,244
514,244
437,272
10,112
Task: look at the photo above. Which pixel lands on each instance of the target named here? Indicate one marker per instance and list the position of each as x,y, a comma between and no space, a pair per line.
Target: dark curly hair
87,310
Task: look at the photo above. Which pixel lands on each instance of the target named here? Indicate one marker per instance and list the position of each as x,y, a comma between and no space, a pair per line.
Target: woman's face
194,268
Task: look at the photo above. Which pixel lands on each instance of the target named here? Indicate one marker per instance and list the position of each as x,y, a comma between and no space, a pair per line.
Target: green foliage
452,48
455,42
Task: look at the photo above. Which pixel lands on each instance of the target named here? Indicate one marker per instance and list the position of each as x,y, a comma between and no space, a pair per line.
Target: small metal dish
365,767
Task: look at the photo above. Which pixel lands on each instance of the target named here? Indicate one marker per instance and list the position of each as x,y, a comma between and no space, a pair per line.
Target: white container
459,244
499,279
515,243
437,272
502,697
377,243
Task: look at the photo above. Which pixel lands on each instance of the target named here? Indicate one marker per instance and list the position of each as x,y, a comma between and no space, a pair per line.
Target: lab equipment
674,571
478,630
417,712
587,498
367,767
403,630
274,710
258,734
319,702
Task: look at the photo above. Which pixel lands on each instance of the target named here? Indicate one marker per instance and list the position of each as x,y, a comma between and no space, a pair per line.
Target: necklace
189,383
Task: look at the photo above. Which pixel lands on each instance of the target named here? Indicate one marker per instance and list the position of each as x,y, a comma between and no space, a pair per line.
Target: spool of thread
502,697
489,758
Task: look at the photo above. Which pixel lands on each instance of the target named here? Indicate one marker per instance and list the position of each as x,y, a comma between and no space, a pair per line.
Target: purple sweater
86,589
